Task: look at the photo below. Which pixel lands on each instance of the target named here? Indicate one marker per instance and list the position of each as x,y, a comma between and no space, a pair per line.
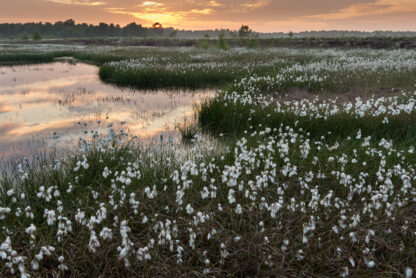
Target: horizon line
214,29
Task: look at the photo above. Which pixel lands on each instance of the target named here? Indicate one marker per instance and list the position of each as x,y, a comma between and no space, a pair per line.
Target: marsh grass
165,72
222,43
188,130
204,44
289,195
257,246
233,119
154,79
252,43
19,58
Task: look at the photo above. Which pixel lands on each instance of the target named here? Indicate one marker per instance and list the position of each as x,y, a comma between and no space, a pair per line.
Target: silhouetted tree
69,22
244,31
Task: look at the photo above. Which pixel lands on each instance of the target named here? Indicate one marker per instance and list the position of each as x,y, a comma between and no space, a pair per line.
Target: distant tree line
70,29
338,34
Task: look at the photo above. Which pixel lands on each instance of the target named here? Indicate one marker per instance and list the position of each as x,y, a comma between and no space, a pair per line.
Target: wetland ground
313,173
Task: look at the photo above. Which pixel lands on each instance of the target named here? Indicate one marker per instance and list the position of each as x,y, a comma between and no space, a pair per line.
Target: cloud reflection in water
37,100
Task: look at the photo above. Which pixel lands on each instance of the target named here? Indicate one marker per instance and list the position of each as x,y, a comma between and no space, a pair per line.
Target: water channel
53,104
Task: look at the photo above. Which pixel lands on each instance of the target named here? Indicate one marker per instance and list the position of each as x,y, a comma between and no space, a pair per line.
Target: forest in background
70,29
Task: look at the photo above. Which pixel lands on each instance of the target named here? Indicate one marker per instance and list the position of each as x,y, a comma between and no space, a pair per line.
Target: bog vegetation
313,172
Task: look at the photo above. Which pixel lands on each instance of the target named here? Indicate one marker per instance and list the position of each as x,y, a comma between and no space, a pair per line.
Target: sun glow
151,15
151,4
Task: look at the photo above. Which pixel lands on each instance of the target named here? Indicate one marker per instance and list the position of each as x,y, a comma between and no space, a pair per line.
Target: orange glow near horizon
260,15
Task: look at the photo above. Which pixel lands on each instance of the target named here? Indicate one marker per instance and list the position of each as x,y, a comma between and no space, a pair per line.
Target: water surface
38,101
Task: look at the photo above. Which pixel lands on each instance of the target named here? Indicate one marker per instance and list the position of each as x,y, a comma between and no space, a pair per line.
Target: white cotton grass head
409,272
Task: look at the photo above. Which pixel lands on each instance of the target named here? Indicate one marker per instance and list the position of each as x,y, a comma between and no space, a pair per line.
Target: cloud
380,7
167,13
47,11
257,4
214,4
151,4
260,15
81,3
166,17
6,127
4,108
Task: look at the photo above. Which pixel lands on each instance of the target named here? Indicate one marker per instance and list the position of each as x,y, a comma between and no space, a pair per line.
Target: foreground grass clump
157,78
281,70
191,69
276,202
18,58
331,91
391,117
188,131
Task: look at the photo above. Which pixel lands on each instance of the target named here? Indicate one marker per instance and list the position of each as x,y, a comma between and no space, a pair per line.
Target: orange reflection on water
38,100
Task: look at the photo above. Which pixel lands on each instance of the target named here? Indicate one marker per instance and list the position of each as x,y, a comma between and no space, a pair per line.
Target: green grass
164,79
188,131
234,119
19,58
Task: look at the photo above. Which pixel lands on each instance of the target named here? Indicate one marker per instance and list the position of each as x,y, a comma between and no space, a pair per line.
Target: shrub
203,43
222,43
36,36
252,43
188,131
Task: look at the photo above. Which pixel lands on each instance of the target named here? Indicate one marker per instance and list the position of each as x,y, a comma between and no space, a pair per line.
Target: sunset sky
260,15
